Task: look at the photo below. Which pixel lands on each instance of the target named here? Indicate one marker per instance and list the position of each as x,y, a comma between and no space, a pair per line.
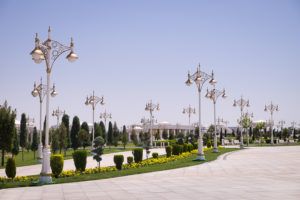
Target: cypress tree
85,127
74,132
23,134
7,125
34,144
110,134
221,135
15,150
102,126
66,122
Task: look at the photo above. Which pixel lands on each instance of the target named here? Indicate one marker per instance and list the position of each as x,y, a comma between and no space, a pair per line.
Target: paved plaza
107,160
254,173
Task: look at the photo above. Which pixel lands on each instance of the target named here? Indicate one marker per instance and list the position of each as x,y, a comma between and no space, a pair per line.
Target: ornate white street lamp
57,113
151,107
214,94
189,111
93,101
49,50
199,77
41,91
105,116
271,108
241,103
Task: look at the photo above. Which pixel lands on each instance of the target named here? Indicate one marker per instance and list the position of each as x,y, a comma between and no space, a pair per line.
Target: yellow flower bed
144,163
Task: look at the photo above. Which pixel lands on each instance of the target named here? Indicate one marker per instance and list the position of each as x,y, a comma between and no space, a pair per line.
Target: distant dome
164,123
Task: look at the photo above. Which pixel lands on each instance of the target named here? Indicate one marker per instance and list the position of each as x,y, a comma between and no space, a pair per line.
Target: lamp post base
200,158
40,153
242,146
215,150
46,169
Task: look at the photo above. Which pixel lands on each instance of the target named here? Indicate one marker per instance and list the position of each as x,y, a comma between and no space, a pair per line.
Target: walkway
255,173
107,160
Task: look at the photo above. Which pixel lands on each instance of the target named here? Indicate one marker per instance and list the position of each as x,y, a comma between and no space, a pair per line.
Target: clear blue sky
134,51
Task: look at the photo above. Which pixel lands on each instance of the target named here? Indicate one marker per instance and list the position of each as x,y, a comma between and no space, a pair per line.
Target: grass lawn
28,156
184,162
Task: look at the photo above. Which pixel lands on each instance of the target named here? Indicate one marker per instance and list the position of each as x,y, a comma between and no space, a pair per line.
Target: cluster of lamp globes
192,110
198,79
38,55
35,91
149,107
91,100
105,115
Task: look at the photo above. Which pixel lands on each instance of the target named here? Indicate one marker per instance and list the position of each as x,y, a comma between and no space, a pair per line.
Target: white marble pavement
107,160
254,173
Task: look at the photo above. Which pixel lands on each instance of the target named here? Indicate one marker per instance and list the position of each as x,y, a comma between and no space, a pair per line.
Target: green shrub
177,149
10,168
129,160
118,159
185,147
209,143
154,155
57,164
195,145
169,151
79,158
138,155
190,147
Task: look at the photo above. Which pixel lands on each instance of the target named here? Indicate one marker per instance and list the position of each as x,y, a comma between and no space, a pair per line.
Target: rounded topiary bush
185,147
118,159
209,143
195,145
138,155
57,164
79,158
129,160
10,168
176,150
154,155
168,151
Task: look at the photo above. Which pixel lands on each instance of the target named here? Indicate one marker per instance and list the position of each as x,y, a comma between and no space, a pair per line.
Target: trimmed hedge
129,160
154,155
190,147
79,158
169,151
195,145
209,143
177,149
57,164
10,168
118,159
138,155
185,147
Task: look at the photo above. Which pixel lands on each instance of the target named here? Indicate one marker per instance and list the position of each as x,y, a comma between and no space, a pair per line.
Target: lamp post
199,77
40,91
189,110
271,108
151,107
105,116
241,103
214,94
57,113
247,116
93,101
49,50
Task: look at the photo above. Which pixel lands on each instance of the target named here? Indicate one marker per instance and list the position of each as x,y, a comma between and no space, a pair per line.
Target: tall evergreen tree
98,130
54,140
83,138
15,150
85,127
110,134
74,132
225,132
66,122
133,137
116,134
221,135
62,138
7,126
35,143
43,132
102,126
124,136
23,133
